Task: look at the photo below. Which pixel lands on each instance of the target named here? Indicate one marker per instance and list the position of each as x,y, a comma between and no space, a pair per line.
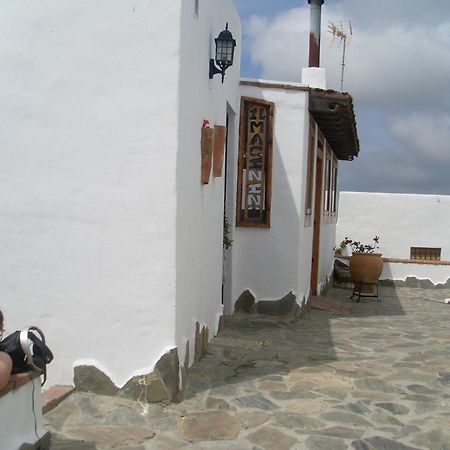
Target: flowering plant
358,247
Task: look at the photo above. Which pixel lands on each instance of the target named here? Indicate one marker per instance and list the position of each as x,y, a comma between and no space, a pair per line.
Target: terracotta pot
365,270
207,141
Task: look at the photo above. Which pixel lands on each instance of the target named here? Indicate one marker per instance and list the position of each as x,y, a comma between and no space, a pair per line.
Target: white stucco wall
327,244
88,148
437,274
267,261
402,221
200,207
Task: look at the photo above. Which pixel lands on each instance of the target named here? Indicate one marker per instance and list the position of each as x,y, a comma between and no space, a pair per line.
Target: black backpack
27,350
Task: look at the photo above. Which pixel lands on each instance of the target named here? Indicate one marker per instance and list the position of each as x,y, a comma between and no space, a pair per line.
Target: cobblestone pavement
378,378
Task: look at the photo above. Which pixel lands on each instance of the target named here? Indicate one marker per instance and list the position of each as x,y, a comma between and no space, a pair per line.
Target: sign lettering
255,163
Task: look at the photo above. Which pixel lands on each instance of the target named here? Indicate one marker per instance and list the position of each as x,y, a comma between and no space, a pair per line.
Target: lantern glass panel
224,52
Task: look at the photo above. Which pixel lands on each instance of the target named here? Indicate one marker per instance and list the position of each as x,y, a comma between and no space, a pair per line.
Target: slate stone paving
378,378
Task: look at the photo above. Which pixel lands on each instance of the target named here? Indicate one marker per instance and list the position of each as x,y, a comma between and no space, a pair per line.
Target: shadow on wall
267,351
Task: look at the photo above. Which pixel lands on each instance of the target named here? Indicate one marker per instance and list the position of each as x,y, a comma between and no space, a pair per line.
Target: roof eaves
334,113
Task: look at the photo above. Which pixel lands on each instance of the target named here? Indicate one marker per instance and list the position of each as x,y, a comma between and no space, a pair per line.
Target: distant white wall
402,221
267,261
438,274
200,207
88,148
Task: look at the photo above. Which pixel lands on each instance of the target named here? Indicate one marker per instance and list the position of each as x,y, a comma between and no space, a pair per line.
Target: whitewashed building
111,222
413,231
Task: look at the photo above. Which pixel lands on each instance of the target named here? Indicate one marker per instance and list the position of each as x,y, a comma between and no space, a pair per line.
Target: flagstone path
378,378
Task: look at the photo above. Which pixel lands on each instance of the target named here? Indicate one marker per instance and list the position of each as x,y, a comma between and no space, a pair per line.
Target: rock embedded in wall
286,305
149,388
163,384
205,335
445,285
245,302
91,379
168,370
201,341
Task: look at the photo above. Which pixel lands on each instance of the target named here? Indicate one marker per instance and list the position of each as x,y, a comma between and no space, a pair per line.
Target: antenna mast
344,33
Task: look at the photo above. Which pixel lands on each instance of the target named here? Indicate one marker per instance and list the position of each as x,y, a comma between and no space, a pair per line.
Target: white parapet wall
401,221
438,274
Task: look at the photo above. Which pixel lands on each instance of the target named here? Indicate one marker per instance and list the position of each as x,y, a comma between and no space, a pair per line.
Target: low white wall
399,271
200,207
402,221
88,148
17,418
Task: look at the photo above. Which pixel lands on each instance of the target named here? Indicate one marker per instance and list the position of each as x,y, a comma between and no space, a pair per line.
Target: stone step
52,397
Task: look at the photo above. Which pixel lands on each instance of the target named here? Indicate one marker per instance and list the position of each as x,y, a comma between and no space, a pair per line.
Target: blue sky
397,70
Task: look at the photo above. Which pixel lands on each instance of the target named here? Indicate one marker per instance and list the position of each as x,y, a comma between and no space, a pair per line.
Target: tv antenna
344,33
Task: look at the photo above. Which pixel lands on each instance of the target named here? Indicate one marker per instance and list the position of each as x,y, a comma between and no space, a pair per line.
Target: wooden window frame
248,155
330,184
334,188
425,253
326,203
310,167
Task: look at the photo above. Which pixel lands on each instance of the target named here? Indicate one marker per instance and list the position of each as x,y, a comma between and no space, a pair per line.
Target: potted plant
227,241
366,265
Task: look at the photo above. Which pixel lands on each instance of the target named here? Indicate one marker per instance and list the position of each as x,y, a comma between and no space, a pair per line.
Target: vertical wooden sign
206,147
220,133
255,163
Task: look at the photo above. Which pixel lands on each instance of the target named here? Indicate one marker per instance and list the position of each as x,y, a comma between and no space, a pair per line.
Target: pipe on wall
314,33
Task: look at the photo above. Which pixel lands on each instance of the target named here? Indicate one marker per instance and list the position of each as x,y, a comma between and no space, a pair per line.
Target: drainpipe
314,33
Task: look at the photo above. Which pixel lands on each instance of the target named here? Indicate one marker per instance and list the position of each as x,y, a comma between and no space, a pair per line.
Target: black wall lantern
224,53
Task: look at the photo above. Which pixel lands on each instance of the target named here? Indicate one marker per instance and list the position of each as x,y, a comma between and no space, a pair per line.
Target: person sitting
5,361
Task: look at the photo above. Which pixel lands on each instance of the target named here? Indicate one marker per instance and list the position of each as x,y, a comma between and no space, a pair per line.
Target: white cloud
397,62
427,135
415,157
400,64
377,14
397,70
276,44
